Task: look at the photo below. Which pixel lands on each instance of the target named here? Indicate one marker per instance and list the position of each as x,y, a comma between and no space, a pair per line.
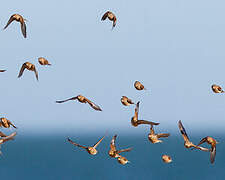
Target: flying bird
82,99
110,16
91,149
20,19
166,159
213,143
139,86
2,70
217,89
122,160
29,66
7,138
154,138
113,152
43,61
6,123
134,120
126,101
187,142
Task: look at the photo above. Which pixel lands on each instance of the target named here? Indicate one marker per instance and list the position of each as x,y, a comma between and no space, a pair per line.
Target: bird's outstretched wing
112,143
212,154
2,70
124,150
12,124
22,69
114,22
36,73
163,135
98,142
2,134
105,16
147,122
73,98
23,29
183,132
202,141
75,144
11,19
93,105
7,138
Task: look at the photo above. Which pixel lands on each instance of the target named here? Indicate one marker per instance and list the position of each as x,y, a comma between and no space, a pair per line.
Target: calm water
54,158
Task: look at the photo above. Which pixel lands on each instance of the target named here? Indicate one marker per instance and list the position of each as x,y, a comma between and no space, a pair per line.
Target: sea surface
53,158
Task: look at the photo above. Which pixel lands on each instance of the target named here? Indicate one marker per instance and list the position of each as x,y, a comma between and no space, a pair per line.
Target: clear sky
175,48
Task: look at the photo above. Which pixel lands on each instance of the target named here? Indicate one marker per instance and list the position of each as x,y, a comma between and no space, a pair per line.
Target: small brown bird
2,70
139,86
134,120
122,160
126,101
28,66
82,99
113,152
110,16
7,138
213,143
43,61
166,159
20,19
91,149
154,138
217,89
187,142
6,123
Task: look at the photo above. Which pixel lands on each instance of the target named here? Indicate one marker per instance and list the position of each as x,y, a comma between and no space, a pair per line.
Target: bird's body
29,66
43,61
217,89
6,123
82,99
139,86
122,160
90,149
135,121
213,143
126,101
166,158
18,18
113,152
154,138
111,17
187,143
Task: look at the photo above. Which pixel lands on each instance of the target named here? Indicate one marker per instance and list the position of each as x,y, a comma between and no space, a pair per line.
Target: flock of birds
135,121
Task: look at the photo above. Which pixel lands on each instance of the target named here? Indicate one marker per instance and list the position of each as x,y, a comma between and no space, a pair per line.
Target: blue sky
175,48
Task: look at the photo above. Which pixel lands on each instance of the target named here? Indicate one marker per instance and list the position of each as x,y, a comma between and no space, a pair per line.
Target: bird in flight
113,152
6,123
29,66
139,86
217,89
43,61
110,16
82,99
20,19
213,143
166,159
126,101
134,120
187,142
91,149
154,138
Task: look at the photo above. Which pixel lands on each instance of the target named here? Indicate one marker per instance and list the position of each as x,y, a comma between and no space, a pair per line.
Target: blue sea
53,158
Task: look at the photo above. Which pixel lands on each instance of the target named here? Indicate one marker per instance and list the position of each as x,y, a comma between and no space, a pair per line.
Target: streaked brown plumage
139,86
217,89
7,138
154,138
111,17
82,99
113,152
2,70
166,158
20,19
122,160
29,66
6,123
43,61
213,143
187,142
91,149
126,101
134,120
